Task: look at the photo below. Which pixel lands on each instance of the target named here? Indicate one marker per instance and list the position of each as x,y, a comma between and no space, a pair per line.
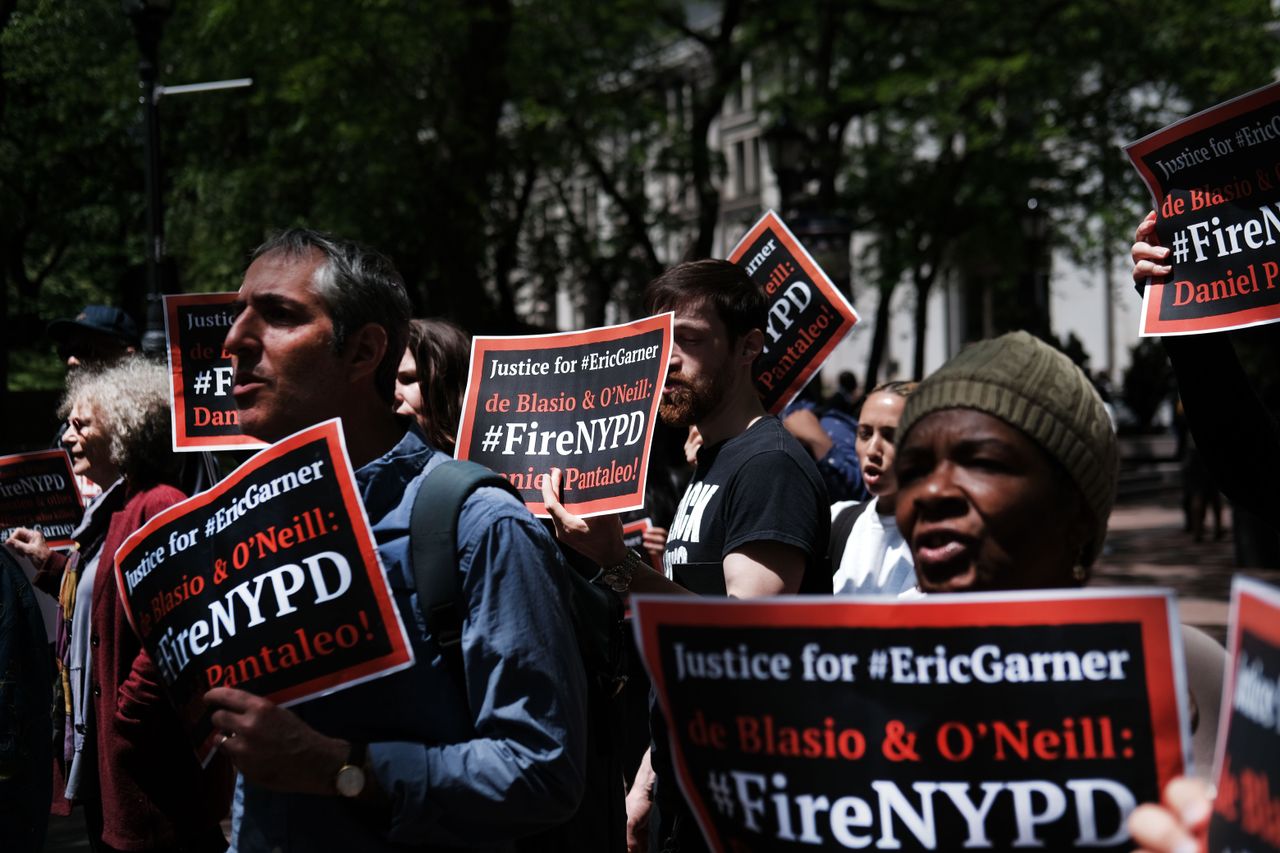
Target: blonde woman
868,553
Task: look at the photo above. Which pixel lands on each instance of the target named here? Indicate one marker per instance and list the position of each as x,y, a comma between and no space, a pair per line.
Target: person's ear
364,350
1082,536
751,345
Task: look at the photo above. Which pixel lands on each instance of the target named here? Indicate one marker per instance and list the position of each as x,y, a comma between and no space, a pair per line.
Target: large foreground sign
584,402
268,582
1246,812
977,721
1215,181
808,316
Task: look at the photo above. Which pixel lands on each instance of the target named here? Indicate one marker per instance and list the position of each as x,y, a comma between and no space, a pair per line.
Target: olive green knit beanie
1030,385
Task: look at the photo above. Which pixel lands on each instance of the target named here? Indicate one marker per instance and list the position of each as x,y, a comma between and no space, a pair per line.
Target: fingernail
1164,251
1163,270
1195,813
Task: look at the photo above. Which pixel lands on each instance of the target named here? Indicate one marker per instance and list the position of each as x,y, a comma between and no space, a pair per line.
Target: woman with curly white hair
125,757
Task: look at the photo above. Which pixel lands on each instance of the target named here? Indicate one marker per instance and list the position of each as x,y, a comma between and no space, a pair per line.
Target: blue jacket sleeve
526,690
839,468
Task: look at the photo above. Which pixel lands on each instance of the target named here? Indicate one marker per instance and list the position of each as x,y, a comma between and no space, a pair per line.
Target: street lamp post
1035,230
823,232
148,18
787,146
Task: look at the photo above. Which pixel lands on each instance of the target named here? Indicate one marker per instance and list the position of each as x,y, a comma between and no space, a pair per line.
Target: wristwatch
618,576
350,778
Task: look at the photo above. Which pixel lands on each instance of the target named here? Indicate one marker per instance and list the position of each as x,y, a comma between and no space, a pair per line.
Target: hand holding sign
586,400
599,539
1179,824
1150,259
30,544
272,746
1214,179
269,581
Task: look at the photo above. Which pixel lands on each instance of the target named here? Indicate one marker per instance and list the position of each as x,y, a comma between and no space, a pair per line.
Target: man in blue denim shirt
406,760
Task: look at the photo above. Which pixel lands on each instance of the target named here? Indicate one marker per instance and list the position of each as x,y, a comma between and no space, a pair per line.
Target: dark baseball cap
103,319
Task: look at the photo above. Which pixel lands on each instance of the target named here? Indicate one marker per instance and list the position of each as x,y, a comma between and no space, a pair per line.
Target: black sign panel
268,582
976,721
1215,180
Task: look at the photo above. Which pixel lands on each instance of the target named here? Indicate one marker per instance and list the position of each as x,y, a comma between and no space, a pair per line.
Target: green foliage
504,151
934,124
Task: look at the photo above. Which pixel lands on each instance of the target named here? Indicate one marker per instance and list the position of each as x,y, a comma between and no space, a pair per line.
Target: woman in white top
867,552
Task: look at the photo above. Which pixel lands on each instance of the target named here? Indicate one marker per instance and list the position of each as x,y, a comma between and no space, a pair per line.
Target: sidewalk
1146,546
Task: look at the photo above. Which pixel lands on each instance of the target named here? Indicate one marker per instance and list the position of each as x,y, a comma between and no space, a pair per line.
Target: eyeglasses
78,426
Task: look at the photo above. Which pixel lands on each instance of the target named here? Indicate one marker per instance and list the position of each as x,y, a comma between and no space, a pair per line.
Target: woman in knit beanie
1007,468
1006,474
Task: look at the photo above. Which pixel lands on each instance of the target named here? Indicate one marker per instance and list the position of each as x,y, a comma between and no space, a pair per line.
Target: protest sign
1215,181
38,490
808,316
634,526
200,373
977,721
584,402
268,582
1246,811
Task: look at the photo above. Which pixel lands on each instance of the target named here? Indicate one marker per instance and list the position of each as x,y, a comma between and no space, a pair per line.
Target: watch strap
618,576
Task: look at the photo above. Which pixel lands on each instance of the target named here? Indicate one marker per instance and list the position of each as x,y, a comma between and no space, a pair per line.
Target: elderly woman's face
983,507
86,441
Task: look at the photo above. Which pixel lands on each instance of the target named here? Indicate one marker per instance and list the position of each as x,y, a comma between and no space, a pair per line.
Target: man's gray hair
358,286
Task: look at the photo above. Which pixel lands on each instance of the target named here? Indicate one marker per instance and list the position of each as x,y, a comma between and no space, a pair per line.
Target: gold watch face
350,780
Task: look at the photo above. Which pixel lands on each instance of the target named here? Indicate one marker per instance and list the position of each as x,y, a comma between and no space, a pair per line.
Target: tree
936,124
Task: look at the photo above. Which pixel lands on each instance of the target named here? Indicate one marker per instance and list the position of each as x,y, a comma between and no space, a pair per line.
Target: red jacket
154,792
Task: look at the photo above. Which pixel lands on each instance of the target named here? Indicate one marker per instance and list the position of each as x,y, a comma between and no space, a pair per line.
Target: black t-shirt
759,486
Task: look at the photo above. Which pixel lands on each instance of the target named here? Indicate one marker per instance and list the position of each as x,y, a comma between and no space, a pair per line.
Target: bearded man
755,519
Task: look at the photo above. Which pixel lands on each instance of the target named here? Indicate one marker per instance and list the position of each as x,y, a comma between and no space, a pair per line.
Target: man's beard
689,402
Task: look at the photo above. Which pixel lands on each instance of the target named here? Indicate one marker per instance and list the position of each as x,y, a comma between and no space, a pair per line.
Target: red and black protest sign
634,525
268,582
38,490
1215,179
992,721
808,316
200,373
1246,810
584,402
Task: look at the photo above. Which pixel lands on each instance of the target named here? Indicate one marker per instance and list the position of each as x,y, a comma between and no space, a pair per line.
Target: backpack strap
433,546
841,528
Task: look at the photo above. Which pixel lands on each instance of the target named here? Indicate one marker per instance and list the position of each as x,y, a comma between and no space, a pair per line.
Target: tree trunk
879,337
924,284
479,77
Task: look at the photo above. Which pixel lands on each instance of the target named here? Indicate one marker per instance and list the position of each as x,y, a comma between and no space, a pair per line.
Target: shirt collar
382,482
